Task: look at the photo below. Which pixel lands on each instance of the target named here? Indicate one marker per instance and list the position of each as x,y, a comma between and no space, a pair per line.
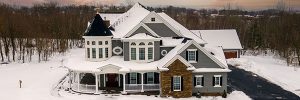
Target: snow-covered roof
228,39
170,42
128,20
184,31
77,62
112,17
211,70
218,53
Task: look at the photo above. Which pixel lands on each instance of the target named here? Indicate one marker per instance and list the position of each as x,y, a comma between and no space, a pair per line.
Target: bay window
94,52
141,52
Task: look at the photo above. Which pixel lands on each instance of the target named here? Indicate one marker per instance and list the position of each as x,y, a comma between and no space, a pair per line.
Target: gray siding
161,29
156,50
117,43
141,30
168,49
208,83
126,51
203,60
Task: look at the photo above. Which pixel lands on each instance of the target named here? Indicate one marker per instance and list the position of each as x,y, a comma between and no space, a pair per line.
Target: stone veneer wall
180,69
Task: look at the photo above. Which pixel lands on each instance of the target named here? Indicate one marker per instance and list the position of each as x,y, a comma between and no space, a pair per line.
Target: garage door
230,54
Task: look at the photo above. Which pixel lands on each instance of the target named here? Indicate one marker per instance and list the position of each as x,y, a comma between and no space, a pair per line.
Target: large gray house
142,51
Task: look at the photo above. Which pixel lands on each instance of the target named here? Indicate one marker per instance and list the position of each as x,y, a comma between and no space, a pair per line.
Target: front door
112,80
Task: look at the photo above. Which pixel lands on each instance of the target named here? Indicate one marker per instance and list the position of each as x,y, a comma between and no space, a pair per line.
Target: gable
203,60
162,30
141,29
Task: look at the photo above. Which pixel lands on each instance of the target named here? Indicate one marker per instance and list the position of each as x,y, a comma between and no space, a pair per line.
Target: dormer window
88,42
141,52
99,42
152,19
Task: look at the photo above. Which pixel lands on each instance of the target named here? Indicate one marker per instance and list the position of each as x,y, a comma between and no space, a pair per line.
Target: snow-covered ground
273,69
39,79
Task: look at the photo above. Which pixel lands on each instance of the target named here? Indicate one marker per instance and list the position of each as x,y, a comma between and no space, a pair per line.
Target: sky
243,4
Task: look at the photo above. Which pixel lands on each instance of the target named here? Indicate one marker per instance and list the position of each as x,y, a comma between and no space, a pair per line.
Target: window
99,42
94,52
199,80
177,83
141,53
106,42
133,43
133,78
164,52
152,19
191,55
93,43
150,43
133,53
142,43
150,78
88,52
88,42
100,53
217,80
150,53
106,52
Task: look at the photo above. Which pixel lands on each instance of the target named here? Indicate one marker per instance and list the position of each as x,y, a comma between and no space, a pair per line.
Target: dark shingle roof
98,28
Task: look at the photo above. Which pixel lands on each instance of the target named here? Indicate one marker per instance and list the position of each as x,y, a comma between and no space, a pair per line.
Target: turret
98,42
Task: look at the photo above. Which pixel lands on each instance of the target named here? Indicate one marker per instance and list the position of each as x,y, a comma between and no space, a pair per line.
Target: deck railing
84,88
151,87
138,87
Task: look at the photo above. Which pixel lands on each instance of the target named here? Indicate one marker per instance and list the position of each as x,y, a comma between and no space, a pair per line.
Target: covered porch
110,78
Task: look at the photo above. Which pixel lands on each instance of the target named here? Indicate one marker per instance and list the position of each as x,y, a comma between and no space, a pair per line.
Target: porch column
142,81
104,80
96,86
124,91
119,79
78,81
70,80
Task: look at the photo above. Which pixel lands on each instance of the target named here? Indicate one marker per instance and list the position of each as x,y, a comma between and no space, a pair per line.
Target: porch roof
79,63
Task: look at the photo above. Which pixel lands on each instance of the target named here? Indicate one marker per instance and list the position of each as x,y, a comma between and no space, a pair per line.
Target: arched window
133,43
150,43
142,43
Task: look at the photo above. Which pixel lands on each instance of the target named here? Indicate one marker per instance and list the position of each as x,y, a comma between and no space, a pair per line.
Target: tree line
46,29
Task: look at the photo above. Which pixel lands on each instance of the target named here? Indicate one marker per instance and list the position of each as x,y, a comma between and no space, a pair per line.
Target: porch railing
138,87
84,88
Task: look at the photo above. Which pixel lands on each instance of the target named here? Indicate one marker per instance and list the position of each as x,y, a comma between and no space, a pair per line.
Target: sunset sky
245,4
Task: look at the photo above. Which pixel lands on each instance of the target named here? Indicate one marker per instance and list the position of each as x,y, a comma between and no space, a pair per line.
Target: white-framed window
133,53
100,53
176,83
164,52
142,51
199,80
93,43
88,52
99,42
217,80
133,78
150,78
93,52
153,19
106,42
192,55
88,42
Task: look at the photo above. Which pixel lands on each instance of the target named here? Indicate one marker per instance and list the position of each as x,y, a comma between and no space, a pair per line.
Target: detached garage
227,39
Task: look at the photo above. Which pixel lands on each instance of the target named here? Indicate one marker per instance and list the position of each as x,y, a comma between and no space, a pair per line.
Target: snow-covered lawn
38,80
274,70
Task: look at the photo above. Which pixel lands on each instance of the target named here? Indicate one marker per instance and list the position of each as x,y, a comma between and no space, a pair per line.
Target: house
145,51
227,39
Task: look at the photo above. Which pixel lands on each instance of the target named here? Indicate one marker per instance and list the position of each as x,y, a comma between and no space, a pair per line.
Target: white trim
141,24
118,53
190,66
215,80
179,83
199,76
